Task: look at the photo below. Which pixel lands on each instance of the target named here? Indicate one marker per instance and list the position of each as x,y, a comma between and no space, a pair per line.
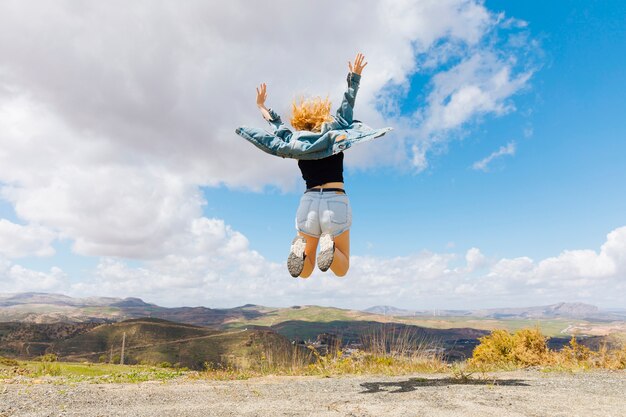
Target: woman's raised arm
345,111
270,115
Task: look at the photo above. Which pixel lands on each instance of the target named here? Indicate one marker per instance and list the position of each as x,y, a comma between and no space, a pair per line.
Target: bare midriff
330,185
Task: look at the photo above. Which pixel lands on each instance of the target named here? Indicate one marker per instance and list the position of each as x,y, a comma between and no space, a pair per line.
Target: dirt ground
520,393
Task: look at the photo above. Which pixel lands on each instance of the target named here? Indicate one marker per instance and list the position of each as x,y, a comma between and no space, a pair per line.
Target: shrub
620,358
164,364
575,353
48,357
526,347
8,361
494,349
530,348
49,368
578,356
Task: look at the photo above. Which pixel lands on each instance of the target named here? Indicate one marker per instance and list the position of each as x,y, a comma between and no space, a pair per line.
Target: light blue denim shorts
327,212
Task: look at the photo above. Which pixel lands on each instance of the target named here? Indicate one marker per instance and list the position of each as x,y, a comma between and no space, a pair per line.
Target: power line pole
123,343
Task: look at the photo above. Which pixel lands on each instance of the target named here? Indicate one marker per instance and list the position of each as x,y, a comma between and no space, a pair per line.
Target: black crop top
320,171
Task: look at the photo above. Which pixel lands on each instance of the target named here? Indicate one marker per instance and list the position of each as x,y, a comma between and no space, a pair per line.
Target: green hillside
34,339
153,341
549,327
317,316
356,330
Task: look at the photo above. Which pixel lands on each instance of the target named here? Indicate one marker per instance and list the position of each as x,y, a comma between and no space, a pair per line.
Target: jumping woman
324,215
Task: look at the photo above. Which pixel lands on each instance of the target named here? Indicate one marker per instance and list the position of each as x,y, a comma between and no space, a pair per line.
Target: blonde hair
309,114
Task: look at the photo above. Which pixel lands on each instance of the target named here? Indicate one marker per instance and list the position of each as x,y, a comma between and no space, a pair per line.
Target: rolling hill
146,340
560,319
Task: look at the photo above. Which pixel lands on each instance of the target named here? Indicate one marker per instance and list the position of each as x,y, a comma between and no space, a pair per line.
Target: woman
324,215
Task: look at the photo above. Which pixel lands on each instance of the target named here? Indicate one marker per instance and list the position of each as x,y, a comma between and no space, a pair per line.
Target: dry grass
388,350
8,361
385,350
528,347
577,356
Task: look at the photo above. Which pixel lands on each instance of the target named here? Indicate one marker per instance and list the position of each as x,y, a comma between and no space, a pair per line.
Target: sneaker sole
295,261
327,252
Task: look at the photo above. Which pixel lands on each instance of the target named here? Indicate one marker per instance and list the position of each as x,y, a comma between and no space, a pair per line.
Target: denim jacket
303,144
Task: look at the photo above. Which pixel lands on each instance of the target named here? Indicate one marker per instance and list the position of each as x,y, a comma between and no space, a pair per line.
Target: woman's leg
341,260
309,250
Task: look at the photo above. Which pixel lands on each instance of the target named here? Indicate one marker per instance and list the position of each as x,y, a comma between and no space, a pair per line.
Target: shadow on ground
413,383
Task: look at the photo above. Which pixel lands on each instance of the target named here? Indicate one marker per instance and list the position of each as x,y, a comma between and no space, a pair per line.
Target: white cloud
216,267
476,86
475,259
18,241
16,278
575,273
483,164
113,115
212,263
172,83
203,276
481,84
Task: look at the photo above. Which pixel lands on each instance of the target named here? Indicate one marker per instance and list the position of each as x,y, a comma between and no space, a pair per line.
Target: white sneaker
327,252
295,261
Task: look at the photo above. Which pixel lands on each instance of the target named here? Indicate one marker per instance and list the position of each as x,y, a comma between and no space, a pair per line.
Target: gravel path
520,393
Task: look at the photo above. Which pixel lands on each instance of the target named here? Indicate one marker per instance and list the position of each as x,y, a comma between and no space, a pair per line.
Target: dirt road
520,393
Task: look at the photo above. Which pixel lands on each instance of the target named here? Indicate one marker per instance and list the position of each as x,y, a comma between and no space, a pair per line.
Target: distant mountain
571,310
132,302
560,310
563,310
50,308
26,298
389,311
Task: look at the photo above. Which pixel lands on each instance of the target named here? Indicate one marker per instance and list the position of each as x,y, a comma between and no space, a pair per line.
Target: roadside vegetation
381,352
502,350
402,353
46,367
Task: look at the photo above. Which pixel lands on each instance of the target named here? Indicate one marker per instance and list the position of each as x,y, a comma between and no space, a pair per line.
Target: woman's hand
261,95
358,64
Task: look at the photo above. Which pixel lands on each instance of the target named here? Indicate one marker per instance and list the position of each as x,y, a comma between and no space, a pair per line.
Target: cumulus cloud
579,273
137,105
171,82
475,259
203,274
212,262
422,280
480,84
113,115
106,199
16,278
18,241
483,164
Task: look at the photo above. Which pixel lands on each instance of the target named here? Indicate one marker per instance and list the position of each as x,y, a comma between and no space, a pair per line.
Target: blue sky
143,189
560,190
